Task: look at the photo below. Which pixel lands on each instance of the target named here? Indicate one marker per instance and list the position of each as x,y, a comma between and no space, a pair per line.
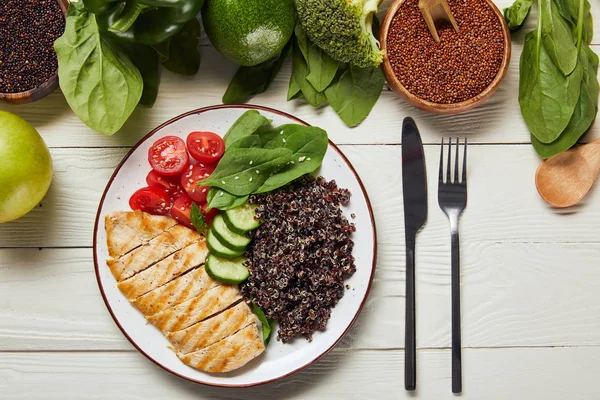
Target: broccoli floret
343,29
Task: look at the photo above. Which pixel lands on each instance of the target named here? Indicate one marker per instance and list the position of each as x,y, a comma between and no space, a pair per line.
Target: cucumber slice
219,249
230,239
242,219
227,271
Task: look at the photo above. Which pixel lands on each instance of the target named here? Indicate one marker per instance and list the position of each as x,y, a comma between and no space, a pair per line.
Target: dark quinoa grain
300,255
28,29
458,68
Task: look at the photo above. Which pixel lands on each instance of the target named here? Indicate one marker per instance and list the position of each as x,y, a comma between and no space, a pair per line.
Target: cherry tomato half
181,210
168,156
150,199
193,174
170,184
206,147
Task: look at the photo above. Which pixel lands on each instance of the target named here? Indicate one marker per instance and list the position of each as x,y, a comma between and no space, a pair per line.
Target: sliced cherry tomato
181,210
168,156
193,174
210,214
170,184
150,199
206,147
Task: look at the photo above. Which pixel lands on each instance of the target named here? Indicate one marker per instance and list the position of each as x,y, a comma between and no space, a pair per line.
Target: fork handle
410,345
456,340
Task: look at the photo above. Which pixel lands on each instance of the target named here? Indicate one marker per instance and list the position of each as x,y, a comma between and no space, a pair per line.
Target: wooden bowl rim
442,108
41,90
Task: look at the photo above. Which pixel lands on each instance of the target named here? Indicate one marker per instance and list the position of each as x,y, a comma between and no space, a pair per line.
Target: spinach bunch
104,79
260,158
351,91
558,85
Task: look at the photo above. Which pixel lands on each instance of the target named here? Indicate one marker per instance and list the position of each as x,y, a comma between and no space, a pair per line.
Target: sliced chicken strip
165,270
212,330
177,291
155,250
127,230
197,309
228,354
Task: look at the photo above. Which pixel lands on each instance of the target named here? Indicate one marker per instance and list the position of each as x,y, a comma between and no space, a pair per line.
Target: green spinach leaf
354,93
516,14
223,200
197,219
299,74
308,145
182,50
148,63
557,38
246,125
293,90
249,81
99,81
321,67
243,171
569,10
268,325
547,97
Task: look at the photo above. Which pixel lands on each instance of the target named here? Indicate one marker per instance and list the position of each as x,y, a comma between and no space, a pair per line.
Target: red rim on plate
199,111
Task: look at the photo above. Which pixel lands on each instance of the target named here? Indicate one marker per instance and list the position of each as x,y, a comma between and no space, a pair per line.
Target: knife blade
414,187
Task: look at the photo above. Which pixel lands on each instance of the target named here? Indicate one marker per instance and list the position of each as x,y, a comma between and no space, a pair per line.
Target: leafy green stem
580,24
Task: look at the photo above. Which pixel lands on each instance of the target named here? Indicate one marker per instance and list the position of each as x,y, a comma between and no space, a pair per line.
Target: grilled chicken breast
212,330
127,230
228,354
158,266
177,291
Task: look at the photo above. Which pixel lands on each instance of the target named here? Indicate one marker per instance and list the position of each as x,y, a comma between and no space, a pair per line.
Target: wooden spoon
564,179
436,12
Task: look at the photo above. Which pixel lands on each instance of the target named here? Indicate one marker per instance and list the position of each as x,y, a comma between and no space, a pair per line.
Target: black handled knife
414,186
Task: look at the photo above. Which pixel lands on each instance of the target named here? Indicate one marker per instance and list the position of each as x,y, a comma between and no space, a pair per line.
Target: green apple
25,167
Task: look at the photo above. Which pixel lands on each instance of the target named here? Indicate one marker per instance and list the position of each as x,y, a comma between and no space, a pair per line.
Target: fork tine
448,172
456,161
464,171
441,180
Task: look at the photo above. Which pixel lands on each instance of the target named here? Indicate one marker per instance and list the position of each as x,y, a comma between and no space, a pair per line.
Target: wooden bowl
42,90
439,108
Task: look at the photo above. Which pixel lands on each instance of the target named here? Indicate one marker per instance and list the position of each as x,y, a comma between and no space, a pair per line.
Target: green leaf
584,114
308,145
547,98
222,200
558,38
321,67
237,174
516,14
99,81
268,326
147,61
293,90
569,10
183,50
246,125
299,74
197,219
249,81
354,93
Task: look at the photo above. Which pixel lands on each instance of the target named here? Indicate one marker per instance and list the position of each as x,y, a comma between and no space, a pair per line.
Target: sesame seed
251,162
250,180
236,178
223,182
257,172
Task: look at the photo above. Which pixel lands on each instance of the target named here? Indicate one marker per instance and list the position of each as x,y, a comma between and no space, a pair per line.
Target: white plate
279,360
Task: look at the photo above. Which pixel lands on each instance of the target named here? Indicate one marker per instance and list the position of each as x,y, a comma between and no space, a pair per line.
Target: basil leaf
268,326
147,62
299,74
308,145
354,93
321,67
244,126
516,14
223,200
237,174
557,38
584,114
184,50
249,81
547,98
99,81
197,219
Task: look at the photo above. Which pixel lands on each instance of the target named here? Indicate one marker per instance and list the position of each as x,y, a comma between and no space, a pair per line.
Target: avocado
249,32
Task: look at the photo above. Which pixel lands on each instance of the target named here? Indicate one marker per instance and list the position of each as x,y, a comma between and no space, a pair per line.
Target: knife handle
410,345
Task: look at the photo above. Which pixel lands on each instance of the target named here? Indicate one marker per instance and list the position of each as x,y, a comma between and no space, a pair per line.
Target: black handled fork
452,198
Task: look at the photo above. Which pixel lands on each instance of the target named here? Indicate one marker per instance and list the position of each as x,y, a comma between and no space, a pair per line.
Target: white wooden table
530,274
